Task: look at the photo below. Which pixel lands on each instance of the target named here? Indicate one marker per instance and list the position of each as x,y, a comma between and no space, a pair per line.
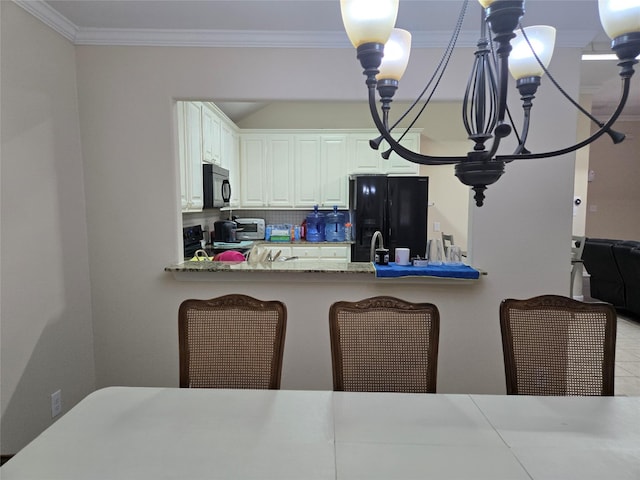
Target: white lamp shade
619,17
396,55
368,21
485,3
522,61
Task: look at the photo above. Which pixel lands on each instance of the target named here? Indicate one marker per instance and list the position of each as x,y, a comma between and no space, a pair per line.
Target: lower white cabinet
307,251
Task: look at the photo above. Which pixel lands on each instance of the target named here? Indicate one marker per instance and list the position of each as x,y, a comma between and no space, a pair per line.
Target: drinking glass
434,252
454,255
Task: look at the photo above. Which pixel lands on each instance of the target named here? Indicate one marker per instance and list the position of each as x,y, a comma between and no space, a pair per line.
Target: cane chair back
384,344
556,345
233,341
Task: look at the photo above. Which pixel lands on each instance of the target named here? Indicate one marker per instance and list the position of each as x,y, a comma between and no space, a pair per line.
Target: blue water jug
334,226
315,226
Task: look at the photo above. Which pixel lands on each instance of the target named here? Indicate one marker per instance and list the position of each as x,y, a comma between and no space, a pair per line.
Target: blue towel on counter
447,271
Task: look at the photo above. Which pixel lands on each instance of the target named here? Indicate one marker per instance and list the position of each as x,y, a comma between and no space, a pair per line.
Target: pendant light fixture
504,46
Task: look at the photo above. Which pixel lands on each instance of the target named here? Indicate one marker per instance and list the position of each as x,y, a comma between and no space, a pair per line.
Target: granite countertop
300,266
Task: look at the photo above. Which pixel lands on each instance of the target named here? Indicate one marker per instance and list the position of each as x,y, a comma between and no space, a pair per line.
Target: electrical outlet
56,403
436,226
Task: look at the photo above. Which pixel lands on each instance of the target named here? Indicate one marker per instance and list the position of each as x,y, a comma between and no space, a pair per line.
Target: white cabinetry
266,170
363,159
280,171
300,169
307,170
190,151
333,171
211,135
231,161
308,251
253,161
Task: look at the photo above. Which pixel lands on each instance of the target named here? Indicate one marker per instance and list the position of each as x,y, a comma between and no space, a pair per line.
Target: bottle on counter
334,226
347,232
315,226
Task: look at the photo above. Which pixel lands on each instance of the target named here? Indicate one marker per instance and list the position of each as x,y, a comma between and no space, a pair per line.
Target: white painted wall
126,103
47,339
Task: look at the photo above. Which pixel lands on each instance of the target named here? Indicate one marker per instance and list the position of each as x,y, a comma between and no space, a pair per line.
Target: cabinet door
280,176
362,158
227,150
210,135
306,253
397,164
333,171
253,155
307,169
234,169
339,253
193,157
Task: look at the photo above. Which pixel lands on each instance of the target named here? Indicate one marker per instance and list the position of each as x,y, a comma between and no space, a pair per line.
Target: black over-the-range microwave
216,189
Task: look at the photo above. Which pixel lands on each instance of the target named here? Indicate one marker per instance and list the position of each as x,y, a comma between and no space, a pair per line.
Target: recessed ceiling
317,23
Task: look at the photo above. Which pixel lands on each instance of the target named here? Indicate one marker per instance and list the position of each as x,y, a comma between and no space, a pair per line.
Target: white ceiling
317,23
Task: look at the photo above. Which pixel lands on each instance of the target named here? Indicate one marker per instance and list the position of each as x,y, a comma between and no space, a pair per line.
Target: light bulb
368,21
396,55
522,61
619,17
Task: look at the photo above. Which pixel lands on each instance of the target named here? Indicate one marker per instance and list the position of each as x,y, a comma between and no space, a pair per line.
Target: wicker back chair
556,345
233,341
384,344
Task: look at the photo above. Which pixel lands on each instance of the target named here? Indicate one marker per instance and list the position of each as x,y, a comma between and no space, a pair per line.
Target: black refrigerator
396,206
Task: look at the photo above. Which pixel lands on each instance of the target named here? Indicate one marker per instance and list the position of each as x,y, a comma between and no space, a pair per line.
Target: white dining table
171,433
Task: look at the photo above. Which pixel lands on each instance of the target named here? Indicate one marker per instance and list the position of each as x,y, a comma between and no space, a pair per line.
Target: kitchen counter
315,270
296,266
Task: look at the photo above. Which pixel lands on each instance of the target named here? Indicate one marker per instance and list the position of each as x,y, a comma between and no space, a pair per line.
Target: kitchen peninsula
309,287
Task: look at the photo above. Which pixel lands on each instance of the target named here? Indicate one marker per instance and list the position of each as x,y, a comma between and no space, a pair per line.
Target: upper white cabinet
297,170
253,169
211,135
190,151
280,170
334,180
363,159
307,170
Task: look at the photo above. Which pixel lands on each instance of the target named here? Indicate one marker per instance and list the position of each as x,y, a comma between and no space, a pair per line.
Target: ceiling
317,23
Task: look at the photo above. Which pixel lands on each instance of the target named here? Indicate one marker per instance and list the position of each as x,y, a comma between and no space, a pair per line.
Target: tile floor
627,381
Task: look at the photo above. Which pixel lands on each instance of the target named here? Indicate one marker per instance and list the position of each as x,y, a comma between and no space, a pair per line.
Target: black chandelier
526,52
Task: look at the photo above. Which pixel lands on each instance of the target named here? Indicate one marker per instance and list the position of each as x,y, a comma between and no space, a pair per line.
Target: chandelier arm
579,107
626,86
438,72
399,149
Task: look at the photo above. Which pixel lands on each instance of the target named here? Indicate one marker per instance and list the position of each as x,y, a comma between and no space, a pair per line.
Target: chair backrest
556,345
447,241
233,341
577,247
384,344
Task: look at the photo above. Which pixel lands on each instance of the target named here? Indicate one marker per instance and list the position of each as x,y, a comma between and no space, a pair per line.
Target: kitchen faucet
376,235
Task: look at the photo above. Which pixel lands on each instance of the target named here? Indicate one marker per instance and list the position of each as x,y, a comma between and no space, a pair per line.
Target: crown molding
242,38
50,17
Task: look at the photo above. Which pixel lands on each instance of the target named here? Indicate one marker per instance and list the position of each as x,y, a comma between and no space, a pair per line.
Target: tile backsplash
208,217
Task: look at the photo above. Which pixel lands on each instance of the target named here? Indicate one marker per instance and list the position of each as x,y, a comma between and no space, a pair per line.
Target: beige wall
127,122
613,194
126,99
46,329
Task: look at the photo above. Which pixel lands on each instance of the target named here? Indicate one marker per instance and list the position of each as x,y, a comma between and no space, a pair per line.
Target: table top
171,433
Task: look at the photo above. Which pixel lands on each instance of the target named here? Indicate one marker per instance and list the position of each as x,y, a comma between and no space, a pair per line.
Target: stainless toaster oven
250,228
